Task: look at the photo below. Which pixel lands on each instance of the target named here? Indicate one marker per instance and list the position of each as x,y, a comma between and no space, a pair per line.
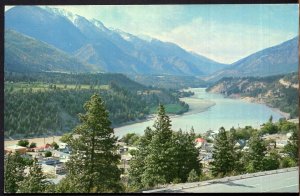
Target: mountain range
108,50
39,38
279,59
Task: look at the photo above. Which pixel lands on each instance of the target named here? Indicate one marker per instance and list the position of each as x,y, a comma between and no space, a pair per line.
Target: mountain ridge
24,53
275,60
133,56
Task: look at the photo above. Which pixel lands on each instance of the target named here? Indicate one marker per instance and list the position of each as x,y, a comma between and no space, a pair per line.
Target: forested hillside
279,91
169,81
26,54
276,60
48,103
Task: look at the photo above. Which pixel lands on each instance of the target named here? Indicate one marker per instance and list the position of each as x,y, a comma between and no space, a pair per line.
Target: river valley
211,111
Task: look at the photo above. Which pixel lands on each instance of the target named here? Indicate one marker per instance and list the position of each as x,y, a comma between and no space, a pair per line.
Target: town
53,156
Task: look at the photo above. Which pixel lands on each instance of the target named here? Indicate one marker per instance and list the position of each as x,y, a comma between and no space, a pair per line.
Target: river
211,111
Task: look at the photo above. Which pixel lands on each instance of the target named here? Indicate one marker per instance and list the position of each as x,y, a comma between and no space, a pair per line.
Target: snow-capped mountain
107,49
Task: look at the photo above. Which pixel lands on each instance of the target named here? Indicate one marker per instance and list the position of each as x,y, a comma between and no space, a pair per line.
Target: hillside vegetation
279,91
169,81
48,103
26,54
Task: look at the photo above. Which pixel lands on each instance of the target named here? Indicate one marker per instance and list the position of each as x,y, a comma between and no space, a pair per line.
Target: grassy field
38,86
170,108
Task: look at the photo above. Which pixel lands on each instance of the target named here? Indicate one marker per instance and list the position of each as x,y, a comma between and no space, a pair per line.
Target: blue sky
225,33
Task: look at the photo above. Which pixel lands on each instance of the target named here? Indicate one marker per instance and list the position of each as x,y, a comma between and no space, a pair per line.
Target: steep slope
280,91
279,59
25,54
109,50
165,57
51,28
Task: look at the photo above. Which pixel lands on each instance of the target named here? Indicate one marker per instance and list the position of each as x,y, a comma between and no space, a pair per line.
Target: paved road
281,182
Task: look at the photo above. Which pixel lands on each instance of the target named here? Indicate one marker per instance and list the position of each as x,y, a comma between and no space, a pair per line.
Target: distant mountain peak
126,36
146,38
99,24
275,60
62,12
108,49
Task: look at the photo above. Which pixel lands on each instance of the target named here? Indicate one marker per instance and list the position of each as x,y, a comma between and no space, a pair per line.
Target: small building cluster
53,164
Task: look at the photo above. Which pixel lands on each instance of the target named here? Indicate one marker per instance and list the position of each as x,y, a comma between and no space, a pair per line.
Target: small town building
63,145
16,148
43,148
200,142
123,149
64,157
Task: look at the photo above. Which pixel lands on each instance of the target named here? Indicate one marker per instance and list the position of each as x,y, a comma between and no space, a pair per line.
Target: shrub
32,145
23,143
48,154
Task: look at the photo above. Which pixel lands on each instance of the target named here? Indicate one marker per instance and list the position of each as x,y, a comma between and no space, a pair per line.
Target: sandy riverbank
277,110
197,105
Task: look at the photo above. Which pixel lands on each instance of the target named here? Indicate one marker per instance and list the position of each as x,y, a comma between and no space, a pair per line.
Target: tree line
32,113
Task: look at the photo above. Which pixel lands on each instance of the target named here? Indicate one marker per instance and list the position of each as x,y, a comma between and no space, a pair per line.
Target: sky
224,33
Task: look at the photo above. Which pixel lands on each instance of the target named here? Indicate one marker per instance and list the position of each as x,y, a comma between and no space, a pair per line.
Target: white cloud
225,43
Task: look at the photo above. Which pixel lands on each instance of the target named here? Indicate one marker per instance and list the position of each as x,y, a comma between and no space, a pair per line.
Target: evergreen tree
256,154
163,156
158,164
193,176
223,159
235,151
14,166
184,156
93,163
65,137
292,146
271,119
137,163
272,161
35,181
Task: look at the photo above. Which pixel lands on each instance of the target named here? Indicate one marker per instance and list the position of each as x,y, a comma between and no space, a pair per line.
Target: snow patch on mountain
99,25
62,12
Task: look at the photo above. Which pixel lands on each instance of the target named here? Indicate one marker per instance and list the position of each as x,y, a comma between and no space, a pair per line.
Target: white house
62,145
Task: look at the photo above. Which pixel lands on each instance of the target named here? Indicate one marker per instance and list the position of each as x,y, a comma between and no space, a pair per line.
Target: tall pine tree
14,166
235,151
93,163
223,159
163,156
137,163
35,181
185,156
158,162
256,154
292,146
